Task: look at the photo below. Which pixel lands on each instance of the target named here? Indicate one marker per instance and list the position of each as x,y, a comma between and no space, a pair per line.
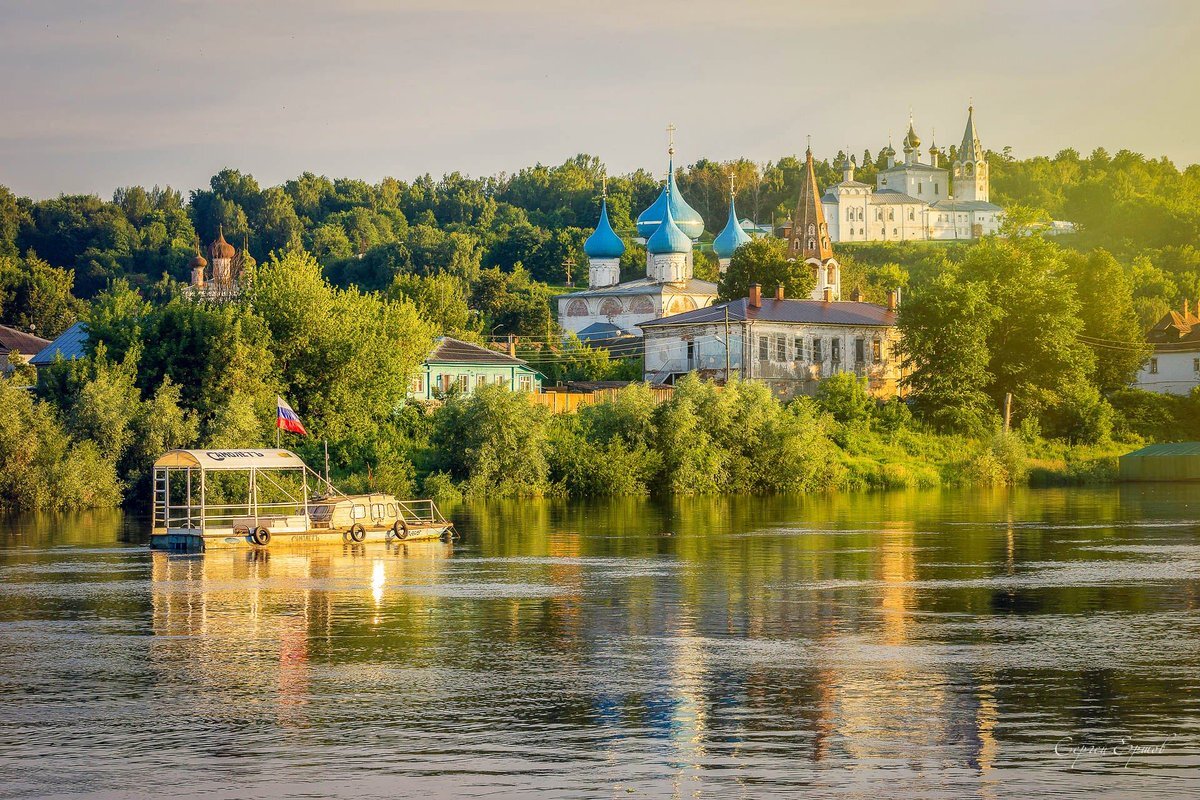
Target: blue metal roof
686,217
668,238
732,237
604,242
70,345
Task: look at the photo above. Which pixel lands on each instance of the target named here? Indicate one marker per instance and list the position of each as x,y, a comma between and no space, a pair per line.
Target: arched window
891,214
812,243
641,305
577,308
611,307
681,304
911,215
811,229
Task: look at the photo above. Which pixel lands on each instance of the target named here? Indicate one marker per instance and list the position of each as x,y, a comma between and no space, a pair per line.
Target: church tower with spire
970,165
809,240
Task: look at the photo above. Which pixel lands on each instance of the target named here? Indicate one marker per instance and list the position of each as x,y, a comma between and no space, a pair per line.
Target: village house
17,347
1174,366
791,345
455,365
70,345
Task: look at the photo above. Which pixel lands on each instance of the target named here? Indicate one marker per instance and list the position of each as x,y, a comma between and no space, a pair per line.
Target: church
915,200
609,309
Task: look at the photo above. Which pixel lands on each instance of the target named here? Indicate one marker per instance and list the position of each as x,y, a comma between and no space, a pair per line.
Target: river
918,644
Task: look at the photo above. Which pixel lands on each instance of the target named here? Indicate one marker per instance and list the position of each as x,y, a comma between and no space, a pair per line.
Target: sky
96,95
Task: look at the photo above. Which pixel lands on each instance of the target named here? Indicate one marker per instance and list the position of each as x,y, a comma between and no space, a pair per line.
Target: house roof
1175,332
71,344
1166,449
808,312
966,205
13,340
456,351
648,286
892,197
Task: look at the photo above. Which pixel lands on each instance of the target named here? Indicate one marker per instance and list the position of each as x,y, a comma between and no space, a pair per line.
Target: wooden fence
564,402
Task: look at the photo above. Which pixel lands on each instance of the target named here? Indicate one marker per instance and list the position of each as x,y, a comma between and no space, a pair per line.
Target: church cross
671,138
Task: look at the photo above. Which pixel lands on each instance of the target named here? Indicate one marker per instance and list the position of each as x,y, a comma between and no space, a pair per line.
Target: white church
609,309
916,200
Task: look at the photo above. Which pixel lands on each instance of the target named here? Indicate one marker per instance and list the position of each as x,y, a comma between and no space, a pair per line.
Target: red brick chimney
512,345
893,300
755,296
779,292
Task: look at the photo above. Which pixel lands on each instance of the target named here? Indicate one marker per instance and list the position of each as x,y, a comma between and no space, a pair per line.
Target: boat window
391,508
358,512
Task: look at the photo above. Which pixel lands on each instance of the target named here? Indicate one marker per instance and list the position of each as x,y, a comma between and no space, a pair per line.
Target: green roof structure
1173,461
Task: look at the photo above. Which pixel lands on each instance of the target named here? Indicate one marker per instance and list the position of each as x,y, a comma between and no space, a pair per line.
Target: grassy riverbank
495,443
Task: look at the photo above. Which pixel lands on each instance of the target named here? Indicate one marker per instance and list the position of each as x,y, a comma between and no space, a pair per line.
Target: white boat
206,499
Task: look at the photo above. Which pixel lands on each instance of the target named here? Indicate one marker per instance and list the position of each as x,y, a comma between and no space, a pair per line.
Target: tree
36,297
494,441
1111,327
344,358
1033,343
765,261
945,330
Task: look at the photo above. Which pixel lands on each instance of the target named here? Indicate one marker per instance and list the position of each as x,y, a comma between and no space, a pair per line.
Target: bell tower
970,165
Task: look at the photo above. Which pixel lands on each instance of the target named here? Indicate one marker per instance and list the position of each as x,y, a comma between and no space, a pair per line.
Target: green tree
765,261
494,442
1111,327
36,297
945,329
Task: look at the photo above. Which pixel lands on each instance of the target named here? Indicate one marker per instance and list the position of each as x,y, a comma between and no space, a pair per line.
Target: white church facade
914,200
611,309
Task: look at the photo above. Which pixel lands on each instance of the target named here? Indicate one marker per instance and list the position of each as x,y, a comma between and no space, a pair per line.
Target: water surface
933,644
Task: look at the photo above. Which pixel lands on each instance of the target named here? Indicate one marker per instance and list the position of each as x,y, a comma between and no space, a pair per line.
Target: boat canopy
210,460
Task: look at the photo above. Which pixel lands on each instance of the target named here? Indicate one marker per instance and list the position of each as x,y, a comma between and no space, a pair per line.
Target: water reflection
913,644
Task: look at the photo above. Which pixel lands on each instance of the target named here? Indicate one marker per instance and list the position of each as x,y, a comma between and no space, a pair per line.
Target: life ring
357,532
260,536
400,530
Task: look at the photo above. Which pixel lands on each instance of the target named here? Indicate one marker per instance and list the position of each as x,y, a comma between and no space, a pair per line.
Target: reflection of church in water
610,308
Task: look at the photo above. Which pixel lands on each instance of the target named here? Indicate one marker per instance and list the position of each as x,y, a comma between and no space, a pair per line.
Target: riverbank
494,443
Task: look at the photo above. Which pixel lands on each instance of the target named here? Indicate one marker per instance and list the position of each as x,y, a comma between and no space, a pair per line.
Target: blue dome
687,218
604,242
669,238
732,237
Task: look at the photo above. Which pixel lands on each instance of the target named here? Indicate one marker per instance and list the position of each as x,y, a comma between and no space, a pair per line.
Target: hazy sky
97,95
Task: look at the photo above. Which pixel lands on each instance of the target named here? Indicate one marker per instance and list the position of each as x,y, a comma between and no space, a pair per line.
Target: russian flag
286,419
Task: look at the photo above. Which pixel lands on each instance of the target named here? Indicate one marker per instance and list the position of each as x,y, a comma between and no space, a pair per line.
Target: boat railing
225,515
421,511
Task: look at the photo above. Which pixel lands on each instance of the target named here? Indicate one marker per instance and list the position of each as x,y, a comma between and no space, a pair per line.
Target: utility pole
726,344
1007,411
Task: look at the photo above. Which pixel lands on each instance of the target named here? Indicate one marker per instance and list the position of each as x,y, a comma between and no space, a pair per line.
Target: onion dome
889,150
669,238
222,248
732,237
686,218
198,261
604,242
911,140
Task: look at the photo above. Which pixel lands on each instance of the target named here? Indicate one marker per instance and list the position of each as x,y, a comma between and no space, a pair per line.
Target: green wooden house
455,365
